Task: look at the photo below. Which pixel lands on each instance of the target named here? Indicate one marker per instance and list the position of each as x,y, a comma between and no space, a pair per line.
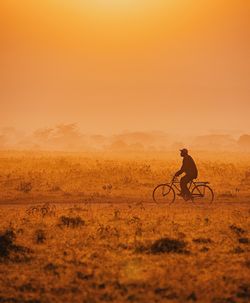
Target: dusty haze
69,137
173,66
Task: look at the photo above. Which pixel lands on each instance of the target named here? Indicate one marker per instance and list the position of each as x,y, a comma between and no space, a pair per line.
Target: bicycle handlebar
175,178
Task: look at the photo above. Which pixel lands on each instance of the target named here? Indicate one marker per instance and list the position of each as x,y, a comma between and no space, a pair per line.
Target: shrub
25,187
10,251
168,245
71,221
164,245
40,236
202,240
237,230
6,242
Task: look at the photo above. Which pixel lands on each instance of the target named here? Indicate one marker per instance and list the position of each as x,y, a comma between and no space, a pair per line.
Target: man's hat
184,150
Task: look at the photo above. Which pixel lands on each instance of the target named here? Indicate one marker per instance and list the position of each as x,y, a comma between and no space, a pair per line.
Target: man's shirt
188,167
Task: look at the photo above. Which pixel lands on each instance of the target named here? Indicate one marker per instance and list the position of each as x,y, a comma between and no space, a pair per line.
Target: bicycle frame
191,184
174,182
198,189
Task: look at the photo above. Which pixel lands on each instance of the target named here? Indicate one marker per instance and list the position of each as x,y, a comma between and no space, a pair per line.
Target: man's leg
183,183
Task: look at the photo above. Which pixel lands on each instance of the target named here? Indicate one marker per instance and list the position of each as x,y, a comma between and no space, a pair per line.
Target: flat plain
83,228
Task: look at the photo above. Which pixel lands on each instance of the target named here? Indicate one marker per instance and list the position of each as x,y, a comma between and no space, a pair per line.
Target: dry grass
135,251
108,177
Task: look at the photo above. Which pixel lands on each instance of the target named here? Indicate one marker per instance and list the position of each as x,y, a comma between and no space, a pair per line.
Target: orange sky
172,65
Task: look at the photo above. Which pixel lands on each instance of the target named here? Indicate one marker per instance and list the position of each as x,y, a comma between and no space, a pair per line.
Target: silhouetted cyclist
190,170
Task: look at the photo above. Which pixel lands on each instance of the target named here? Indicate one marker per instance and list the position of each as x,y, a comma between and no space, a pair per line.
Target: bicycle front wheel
164,193
203,194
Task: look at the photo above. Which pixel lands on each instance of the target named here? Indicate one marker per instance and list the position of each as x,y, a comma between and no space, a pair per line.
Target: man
190,170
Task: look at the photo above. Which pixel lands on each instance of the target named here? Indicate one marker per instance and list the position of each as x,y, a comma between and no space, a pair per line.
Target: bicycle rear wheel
164,193
203,193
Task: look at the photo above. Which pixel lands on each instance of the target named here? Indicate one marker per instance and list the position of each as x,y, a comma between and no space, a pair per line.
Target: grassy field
83,228
105,177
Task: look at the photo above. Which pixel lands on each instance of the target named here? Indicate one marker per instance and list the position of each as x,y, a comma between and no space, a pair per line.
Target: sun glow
111,65
121,6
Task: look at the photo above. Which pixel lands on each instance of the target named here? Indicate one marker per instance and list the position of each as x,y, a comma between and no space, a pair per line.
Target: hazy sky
112,65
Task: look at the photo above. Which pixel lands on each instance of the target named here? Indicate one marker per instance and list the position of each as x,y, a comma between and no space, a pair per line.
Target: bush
25,187
10,251
6,242
164,245
40,236
168,245
71,221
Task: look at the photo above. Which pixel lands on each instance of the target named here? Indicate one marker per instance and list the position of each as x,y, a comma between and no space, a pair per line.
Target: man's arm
181,171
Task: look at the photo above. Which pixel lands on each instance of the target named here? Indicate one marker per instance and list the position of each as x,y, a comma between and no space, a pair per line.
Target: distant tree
43,134
136,147
66,130
61,137
214,142
244,141
118,145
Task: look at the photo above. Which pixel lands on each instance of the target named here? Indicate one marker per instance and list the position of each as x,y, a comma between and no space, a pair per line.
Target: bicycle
166,193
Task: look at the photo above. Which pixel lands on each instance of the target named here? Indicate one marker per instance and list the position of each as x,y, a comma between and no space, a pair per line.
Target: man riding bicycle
190,170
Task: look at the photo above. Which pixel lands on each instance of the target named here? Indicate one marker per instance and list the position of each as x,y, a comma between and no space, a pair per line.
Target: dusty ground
94,253
87,250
